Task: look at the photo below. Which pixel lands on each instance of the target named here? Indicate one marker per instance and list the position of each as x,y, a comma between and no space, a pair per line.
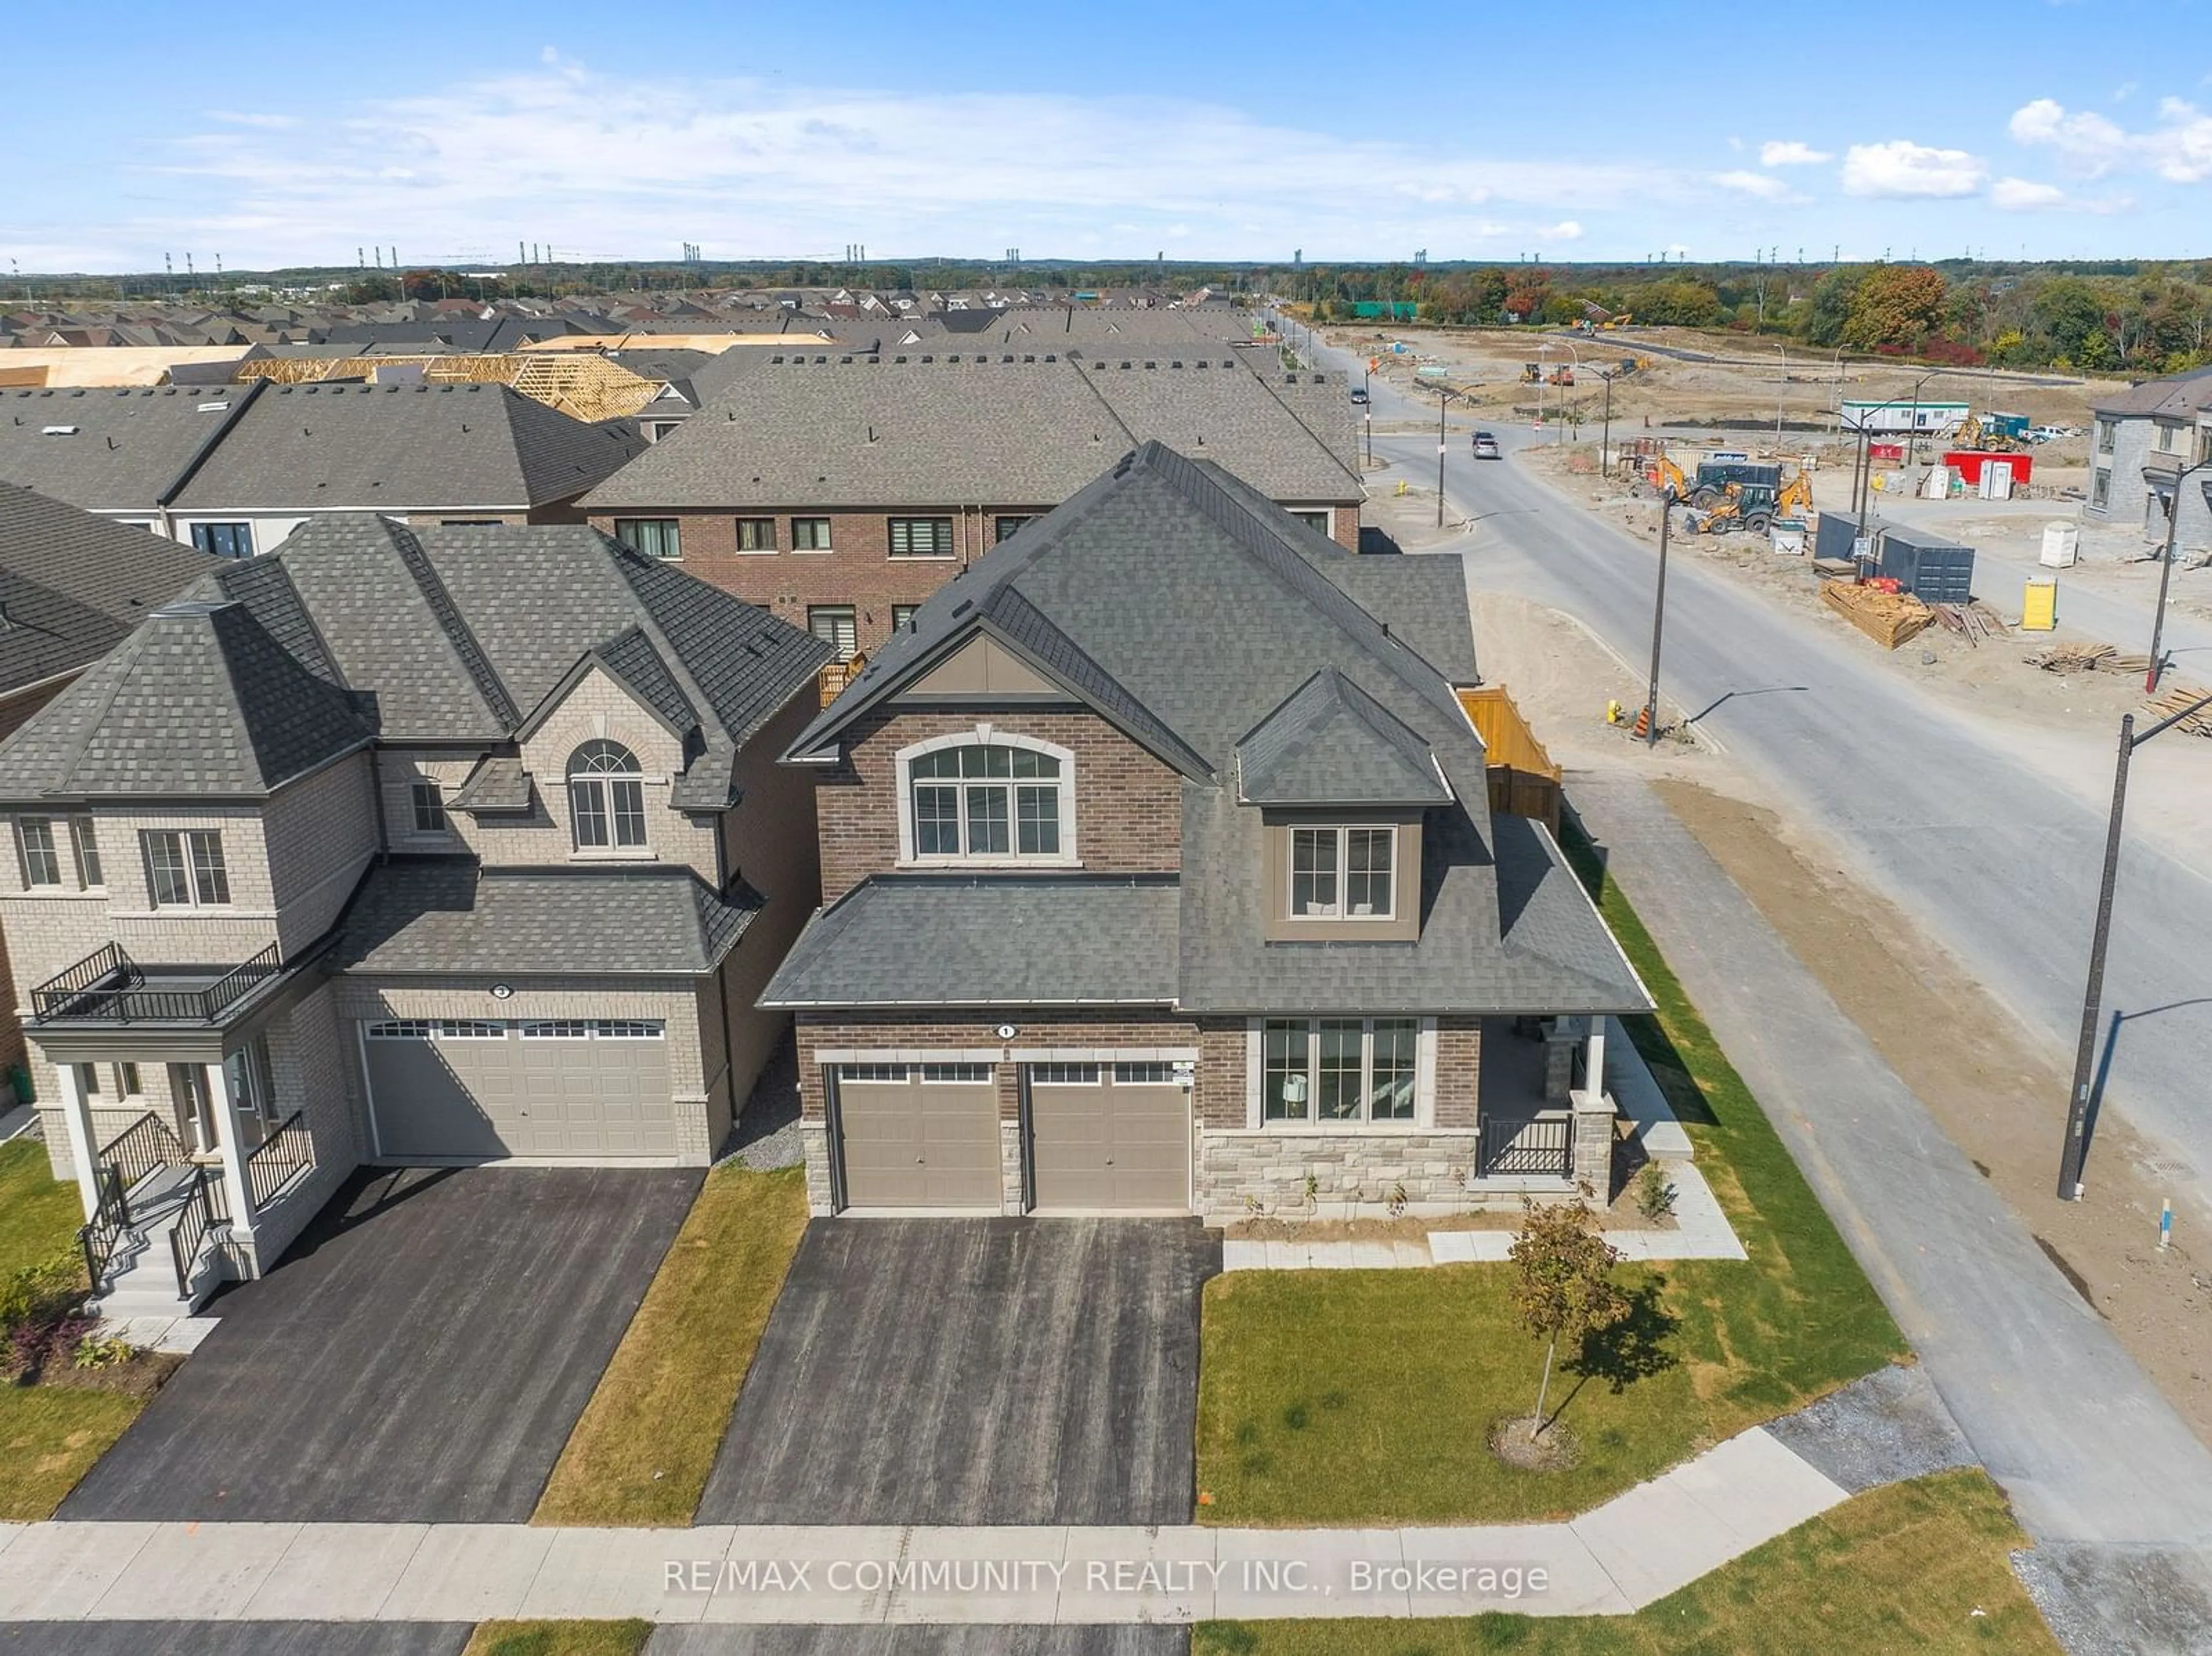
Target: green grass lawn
1348,1397
642,1450
49,1435
558,1638
38,1214
1904,1568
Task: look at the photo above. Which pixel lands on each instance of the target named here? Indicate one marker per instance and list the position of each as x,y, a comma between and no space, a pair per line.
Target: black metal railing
111,986
204,1211
279,1159
101,1237
1540,1145
146,1146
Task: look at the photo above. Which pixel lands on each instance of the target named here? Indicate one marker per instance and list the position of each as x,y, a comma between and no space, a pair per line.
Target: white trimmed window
1320,1071
607,798
809,535
41,861
656,538
1000,799
1064,1075
185,868
756,534
1343,873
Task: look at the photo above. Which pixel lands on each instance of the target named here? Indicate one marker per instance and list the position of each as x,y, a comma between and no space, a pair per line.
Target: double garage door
1102,1138
579,1088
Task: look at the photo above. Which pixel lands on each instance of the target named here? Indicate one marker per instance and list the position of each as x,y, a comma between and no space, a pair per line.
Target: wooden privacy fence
1523,781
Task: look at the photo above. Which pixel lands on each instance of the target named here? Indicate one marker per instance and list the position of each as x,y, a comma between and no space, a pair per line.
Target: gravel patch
1882,1429
766,1133
2121,1601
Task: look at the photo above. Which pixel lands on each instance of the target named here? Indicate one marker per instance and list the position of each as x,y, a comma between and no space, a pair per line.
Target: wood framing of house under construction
584,387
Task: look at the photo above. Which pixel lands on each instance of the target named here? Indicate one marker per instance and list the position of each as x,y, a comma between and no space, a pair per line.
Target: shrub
1654,1191
92,1352
42,1292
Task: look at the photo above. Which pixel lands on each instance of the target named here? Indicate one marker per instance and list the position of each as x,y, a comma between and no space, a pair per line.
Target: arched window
606,799
971,800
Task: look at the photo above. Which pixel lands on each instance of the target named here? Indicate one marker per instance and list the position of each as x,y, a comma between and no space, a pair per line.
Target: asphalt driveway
973,1371
420,1354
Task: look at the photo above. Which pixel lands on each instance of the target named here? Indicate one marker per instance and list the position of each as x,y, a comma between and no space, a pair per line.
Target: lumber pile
2181,695
1973,621
1888,618
2088,659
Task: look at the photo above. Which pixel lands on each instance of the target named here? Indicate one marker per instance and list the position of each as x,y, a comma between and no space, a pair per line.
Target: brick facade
1128,805
857,569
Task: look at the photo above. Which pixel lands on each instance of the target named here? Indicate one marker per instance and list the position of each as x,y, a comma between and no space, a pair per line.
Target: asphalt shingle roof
450,634
860,431
1216,612
198,699
2178,396
127,448
1331,743
450,914
1035,941
396,448
72,585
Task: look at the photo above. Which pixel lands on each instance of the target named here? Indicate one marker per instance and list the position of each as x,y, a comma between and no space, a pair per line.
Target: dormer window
988,799
606,798
1343,873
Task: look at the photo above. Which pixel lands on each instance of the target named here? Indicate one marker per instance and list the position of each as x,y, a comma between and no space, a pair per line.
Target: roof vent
962,607
214,408
58,431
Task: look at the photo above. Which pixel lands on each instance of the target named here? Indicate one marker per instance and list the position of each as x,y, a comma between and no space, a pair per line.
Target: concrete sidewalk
1637,1548
2089,1449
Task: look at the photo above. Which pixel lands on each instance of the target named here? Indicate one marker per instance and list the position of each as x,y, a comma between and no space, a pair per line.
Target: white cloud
1763,185
2179,149
1787,152
2019,196
607,165
1903,170
2025,195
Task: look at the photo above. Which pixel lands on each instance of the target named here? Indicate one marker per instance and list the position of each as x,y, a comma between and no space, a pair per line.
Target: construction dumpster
1934,571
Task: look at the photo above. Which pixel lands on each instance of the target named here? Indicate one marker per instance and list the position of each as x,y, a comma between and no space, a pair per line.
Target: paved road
1998,859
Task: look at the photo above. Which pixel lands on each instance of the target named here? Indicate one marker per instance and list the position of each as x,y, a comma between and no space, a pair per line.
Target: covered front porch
1546,1116
170,1111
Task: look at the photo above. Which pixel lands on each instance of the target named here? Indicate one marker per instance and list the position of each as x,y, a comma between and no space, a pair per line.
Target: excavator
1748,507
1712,488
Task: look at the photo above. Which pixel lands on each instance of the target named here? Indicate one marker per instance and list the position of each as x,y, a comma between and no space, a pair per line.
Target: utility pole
2166,573
1443,399
1604,430
2075,1150
1658,619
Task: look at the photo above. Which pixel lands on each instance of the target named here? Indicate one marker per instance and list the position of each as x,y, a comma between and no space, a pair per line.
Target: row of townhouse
1150,870
2152,459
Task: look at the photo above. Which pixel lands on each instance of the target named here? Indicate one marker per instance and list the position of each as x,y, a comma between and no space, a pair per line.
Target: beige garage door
566,1088
1109,1138
920,1136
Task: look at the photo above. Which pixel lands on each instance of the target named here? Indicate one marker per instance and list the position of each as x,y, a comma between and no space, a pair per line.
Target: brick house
71,587
840,491
1160,875
232,469
435,845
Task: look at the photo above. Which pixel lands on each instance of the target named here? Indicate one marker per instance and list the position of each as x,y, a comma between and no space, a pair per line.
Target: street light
1444,395
1865,489
2075,1149
1367,409
1658,619
1604,430
2165,565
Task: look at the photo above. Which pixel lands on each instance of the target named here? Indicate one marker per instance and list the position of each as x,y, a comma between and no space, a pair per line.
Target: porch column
83,1140
1594,1055
227,1141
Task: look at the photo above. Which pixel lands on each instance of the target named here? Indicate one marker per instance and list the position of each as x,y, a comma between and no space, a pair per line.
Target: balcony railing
145,1147
279,1159
837,675
110,986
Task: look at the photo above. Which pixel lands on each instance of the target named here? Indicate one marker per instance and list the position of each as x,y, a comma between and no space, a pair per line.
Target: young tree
1564,1288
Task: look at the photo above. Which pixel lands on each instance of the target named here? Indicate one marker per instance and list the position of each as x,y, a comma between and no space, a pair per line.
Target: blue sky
2051,128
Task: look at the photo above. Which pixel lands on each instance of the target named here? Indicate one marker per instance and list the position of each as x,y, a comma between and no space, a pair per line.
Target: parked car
1486,447
1359,397
2048,433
